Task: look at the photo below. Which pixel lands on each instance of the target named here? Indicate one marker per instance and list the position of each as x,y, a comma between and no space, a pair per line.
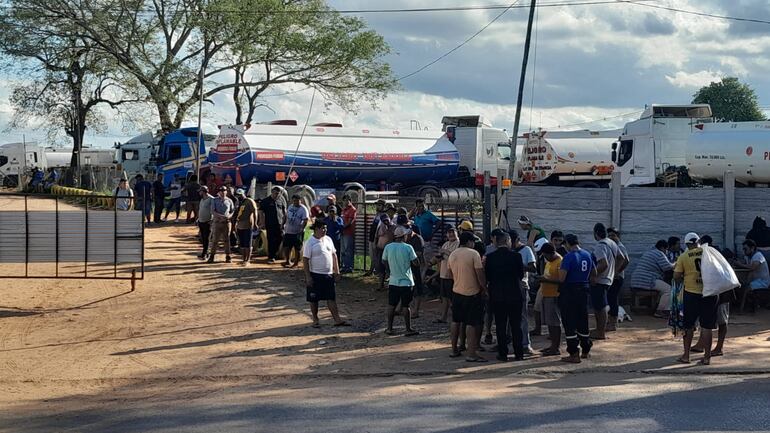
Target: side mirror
614,155
614,145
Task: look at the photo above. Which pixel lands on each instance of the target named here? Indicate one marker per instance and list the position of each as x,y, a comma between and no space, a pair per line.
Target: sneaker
210,260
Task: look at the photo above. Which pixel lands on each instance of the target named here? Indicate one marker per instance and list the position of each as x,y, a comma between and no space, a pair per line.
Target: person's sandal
411,333
550,352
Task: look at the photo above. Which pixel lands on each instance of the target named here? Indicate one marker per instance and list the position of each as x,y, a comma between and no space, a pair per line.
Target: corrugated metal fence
52,237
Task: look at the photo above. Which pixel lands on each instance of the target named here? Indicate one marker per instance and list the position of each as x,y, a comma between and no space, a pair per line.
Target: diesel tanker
568,158
448,164
743,147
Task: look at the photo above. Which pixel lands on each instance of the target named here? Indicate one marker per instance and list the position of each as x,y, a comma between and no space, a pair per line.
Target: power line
595,120
700,14
441,57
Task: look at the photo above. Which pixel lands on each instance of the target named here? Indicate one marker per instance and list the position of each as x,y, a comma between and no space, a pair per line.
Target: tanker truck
568,158
654,144
743,147
448,164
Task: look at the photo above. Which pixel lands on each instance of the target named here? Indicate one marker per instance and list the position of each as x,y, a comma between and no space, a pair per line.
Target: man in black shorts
398,257
468,293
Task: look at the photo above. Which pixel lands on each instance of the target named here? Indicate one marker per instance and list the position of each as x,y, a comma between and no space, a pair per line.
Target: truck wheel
356,191
10,181
305,192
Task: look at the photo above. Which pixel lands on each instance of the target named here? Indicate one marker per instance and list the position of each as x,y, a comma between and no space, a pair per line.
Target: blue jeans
348,251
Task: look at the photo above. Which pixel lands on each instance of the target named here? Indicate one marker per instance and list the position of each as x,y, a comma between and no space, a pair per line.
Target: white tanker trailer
743,147
568,158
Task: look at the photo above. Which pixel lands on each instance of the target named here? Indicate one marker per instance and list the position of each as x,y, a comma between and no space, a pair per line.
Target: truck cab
656,142
176,153
481,146
15,158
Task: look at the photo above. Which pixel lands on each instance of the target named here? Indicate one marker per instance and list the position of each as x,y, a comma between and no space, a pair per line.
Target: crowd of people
483,287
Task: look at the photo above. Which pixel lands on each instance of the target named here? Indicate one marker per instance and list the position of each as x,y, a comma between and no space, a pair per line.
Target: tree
171,48
63,81
730,100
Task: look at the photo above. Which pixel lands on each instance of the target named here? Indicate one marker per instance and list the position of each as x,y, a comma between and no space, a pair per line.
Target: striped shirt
650,267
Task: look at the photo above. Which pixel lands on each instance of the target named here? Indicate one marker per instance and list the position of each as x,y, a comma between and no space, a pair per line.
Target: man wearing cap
331,200
608,259
319,260
478,244
696,306
124,196
533,232
537,307
576,271
398,257
334,226
297,216
245,224
468,294
549,295
204,219
503,269
222,209
273,216
193,203
613,294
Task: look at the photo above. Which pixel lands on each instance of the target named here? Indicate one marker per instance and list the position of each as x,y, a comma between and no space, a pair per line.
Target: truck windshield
3,160
504,150
625,151
688,112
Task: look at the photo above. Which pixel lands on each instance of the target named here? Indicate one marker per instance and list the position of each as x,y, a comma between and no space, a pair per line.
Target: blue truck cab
176,153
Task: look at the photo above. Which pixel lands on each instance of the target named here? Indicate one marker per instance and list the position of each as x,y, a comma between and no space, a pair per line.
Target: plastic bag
718,276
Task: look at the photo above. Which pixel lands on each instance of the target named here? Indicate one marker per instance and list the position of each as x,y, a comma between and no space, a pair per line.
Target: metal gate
86,237
449,214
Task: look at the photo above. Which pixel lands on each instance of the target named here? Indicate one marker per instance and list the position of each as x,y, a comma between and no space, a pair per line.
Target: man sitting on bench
759,275
649,275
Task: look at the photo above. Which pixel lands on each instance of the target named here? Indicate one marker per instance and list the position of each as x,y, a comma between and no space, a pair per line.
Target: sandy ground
191,330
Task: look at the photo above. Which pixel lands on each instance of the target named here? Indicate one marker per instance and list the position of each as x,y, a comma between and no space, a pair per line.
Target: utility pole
197,149
511,171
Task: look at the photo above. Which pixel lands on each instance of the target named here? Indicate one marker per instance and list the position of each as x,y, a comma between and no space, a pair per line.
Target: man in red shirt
348,234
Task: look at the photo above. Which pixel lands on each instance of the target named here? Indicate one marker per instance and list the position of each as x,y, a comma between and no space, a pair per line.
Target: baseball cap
540,243
331,196
222,188
402,220
691,238
465,225
523,220
401,231
240,191
204,188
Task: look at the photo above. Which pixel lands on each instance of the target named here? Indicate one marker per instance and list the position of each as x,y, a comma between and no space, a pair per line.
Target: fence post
729,229
616,189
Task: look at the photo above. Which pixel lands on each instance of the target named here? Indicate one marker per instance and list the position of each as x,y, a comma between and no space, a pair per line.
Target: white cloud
699,79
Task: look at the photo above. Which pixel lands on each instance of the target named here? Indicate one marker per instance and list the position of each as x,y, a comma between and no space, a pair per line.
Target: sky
599,64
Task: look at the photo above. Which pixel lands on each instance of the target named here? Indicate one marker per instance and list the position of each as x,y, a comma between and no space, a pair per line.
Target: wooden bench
639,296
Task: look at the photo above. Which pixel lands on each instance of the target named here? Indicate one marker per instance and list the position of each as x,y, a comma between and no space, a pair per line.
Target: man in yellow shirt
549,288
696,306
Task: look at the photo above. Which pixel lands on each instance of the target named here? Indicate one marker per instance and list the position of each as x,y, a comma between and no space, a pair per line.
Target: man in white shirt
319,259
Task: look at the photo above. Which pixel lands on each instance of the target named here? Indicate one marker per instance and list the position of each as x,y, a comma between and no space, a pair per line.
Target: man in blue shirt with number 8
577,270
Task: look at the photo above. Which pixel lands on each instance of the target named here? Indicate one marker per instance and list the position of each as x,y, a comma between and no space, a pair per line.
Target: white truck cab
649,146
481,146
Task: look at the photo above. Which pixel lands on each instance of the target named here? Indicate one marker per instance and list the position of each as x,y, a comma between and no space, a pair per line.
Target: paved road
584,402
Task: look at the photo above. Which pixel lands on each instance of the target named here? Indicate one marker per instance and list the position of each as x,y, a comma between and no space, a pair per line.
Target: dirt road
192,330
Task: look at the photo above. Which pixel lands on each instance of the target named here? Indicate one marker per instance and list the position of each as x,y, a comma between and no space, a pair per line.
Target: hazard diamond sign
293,176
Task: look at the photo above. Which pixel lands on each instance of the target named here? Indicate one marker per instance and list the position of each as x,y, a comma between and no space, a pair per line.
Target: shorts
323,288
446,288
467,309
698,308
723,314
399,294
599,296
550,313
244,238
293,240
758,285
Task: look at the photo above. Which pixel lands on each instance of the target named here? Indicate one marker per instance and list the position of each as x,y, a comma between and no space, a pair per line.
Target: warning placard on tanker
269,156
228,143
